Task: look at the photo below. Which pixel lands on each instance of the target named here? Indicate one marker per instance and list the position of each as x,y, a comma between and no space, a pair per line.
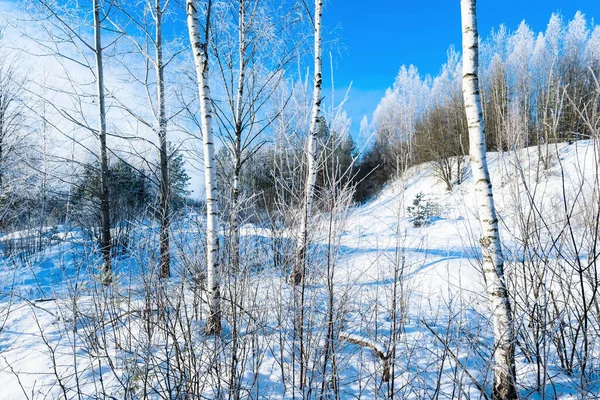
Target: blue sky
371,40
378,36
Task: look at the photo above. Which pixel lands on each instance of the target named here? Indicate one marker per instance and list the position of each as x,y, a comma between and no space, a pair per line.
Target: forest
188,212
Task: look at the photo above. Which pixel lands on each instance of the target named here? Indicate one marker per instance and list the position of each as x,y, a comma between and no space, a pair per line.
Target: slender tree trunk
237,156
493,263
165,255
200,49
44,178
311,177
104,195
235,212
2,130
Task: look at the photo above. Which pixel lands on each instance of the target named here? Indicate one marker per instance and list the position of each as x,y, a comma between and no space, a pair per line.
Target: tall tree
165,255
312,151
238,132
251,63
104,199
200,49
145,38
493,262
59,30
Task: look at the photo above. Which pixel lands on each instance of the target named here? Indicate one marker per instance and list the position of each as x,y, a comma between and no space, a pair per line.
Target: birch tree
493,263
153,51
59,34
312,151
238,127
200,50
165,256
104,198
252,54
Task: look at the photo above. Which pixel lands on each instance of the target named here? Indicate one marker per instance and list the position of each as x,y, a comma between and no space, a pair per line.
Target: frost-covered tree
252,50
519,77
143,24
105,195
161,130
62,33
395,118
593,50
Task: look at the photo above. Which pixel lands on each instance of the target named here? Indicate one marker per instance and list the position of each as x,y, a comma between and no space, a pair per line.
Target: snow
441,288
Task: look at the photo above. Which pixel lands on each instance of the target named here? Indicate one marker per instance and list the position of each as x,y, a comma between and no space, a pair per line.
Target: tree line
536,89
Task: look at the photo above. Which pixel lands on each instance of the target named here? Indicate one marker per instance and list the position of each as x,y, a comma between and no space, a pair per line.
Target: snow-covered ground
414,294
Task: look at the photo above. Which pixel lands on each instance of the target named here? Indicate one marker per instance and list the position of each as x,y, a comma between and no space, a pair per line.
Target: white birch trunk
200,49
311,177
493,263
104,196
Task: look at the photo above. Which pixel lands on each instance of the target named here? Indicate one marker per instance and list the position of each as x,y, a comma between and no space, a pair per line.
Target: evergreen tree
179,179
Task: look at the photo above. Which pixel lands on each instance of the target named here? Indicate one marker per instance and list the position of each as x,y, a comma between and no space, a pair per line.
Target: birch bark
493,262
311,177
200,49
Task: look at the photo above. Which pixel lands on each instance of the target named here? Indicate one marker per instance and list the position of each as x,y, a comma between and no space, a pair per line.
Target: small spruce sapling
421,211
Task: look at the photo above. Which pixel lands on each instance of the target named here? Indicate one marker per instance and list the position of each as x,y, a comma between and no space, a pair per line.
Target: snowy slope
438,293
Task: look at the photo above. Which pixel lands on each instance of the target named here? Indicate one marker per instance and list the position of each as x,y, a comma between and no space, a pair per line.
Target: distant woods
537,88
